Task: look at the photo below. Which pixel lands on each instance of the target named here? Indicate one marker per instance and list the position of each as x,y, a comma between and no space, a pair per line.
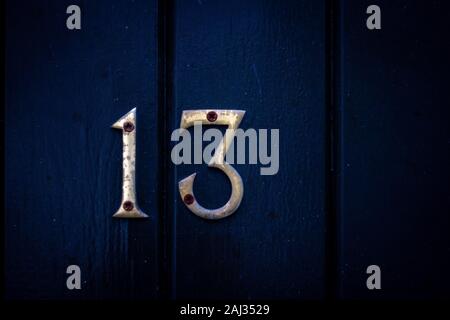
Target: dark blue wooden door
267,58
363,149
393,189
64,90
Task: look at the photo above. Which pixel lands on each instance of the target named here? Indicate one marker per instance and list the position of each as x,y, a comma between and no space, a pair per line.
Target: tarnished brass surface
232,118
129,207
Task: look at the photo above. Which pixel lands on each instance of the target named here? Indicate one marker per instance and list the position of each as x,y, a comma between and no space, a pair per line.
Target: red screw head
188,199
128,205
211,116
128,126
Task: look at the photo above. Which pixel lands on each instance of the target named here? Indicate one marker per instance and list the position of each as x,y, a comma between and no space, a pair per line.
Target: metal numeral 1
129,207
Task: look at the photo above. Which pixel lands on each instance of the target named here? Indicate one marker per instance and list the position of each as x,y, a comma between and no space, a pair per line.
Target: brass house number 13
232,118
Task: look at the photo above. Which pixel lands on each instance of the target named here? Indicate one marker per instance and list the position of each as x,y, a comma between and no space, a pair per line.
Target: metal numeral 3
232,118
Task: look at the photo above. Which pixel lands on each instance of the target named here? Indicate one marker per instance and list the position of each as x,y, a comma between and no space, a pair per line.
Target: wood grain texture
395,156
65,88
265,57
63,166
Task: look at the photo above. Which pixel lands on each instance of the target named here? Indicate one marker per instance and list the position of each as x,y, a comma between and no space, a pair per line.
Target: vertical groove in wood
332,145
165,107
